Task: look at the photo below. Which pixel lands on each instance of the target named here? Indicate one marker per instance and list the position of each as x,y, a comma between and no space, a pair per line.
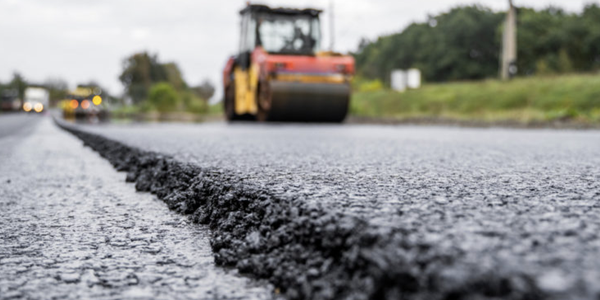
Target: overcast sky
83,40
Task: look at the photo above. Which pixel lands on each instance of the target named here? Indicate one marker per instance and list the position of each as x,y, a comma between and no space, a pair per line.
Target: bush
361,84
163,97
193,103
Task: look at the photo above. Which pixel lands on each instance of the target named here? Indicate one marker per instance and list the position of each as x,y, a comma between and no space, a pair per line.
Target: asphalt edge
306,252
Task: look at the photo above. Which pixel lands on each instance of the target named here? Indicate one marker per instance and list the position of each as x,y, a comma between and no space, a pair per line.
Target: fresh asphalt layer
71,228
396,212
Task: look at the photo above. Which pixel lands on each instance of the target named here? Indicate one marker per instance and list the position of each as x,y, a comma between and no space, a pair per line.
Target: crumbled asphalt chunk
502,237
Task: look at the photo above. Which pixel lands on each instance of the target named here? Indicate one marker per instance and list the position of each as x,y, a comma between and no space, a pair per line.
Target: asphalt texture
381,212
71,228
12,124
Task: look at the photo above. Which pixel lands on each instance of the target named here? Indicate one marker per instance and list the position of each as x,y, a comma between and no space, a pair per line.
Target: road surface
71,228
17,123
380,212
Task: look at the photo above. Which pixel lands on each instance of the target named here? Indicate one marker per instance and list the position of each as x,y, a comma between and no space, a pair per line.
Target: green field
572,98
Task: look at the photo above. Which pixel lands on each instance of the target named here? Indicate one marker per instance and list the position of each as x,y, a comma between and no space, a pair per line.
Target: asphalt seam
307,252
281,240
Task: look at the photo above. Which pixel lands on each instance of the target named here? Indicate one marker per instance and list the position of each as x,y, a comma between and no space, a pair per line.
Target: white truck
36,99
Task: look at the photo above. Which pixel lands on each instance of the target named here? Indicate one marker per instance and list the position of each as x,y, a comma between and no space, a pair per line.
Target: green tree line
152,85
464,44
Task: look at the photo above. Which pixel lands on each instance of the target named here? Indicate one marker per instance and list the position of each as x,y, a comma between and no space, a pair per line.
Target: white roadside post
413,79
398,80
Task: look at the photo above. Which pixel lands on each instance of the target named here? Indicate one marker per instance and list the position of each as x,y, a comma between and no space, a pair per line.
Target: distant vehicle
84,103
9,100
36,99
280,73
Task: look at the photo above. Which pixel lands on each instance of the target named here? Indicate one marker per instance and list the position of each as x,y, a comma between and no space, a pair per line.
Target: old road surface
320,211
71,228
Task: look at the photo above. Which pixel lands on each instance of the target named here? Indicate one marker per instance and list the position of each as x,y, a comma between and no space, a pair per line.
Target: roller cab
280,74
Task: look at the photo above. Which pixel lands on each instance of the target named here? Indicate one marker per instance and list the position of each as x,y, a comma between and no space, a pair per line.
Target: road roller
280,72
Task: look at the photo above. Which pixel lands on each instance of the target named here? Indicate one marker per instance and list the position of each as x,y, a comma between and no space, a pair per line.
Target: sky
84,40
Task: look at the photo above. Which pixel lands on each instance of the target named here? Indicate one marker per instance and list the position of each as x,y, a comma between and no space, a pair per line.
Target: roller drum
308,102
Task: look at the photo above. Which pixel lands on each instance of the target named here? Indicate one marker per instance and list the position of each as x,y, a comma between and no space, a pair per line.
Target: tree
174,76
163,97
193,103
57,88
205,90
140,72
460,44
464,43
19,83
362,44
591,42
564,62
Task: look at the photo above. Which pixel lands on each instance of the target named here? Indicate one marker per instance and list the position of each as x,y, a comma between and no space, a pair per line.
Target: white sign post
413,79
401,80
398,80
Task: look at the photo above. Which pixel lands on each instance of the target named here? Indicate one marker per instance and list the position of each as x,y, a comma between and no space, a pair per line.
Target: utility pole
508,61
331,27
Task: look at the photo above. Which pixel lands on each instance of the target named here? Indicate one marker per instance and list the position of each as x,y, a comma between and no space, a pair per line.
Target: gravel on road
381,212
71,228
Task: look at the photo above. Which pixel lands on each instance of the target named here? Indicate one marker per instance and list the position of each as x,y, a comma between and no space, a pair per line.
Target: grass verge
568,98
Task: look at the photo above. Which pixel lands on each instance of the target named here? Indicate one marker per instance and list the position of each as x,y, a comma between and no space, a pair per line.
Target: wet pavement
388,211
71,228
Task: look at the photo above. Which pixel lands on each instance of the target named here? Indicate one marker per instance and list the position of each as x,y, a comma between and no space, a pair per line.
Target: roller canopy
281,11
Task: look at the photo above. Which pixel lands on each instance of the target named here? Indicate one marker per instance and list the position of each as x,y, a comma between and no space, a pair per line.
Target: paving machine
280,73
83,103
